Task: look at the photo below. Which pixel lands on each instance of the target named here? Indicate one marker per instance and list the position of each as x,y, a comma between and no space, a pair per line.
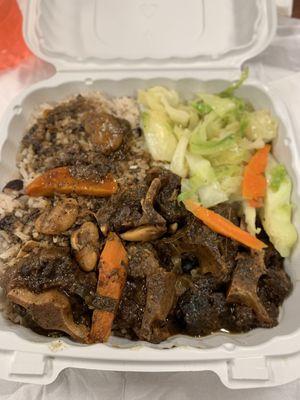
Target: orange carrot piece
254,182
60,180
111,281
101,326
223,226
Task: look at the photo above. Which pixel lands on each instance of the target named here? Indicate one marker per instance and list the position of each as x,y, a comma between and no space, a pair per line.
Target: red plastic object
12,46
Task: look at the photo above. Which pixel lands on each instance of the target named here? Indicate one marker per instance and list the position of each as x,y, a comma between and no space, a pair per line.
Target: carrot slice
223,226
254,182
111,281
60,180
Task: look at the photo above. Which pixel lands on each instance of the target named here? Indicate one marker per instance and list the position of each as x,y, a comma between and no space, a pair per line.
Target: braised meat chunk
159,302
45,268
201,309
123,211
143,260
131,309
208,251
275,285
132,214
51,310
157,287
166,200
243,287
106,131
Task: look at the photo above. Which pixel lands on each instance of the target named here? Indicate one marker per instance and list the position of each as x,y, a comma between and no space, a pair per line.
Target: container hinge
249,368
25,363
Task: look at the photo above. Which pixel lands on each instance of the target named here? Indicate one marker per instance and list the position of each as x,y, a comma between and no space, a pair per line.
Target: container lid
148,34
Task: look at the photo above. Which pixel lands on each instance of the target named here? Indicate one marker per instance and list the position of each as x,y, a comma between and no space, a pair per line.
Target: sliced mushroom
243,288
58,219
143,233
51,310
85,243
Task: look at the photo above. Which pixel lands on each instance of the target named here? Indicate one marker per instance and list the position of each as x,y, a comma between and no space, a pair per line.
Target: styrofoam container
118,47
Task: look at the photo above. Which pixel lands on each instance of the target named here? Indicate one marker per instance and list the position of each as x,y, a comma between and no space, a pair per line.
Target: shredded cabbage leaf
217,104
178,164
261,125
159,135
250,219
276,214
230,90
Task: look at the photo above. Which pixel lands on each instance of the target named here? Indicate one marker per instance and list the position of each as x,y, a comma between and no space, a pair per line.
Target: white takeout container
117,47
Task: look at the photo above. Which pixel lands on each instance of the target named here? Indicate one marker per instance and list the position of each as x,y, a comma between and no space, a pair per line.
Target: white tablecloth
279,66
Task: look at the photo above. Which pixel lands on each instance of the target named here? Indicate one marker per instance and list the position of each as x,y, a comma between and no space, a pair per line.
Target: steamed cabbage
165,100
159,136
178,163
207,140
276,214
213,146
203,184
250,219
230,90
261,125
217,104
